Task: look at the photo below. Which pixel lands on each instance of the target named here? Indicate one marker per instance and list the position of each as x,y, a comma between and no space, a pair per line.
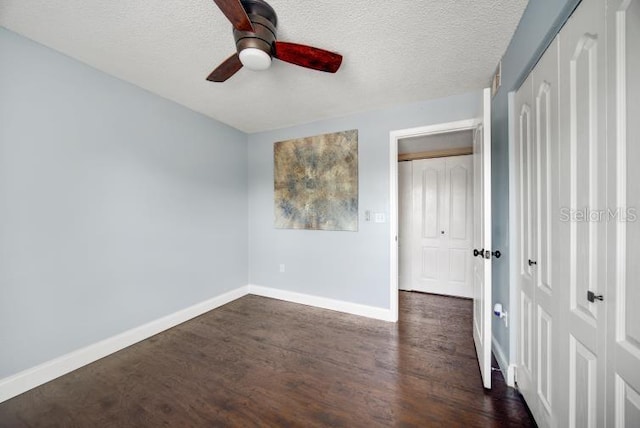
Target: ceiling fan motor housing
264,20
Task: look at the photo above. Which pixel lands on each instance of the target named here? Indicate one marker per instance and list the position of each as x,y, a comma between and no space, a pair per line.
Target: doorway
435,209
481,242
410,138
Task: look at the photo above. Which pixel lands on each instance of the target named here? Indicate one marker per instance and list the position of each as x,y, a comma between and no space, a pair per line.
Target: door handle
496,254
592,297
477,253
532,262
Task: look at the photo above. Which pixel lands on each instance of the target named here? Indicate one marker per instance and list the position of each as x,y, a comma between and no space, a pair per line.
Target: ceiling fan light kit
254,30
255,59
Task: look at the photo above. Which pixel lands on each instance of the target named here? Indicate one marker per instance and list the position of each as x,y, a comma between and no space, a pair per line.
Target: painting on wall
316,182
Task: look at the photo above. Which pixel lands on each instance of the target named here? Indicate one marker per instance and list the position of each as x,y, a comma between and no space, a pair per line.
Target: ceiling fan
254,30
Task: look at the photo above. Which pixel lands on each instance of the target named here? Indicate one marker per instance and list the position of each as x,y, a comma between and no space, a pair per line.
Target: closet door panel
582,195
623,332
459,224
528,318
428,197
548,299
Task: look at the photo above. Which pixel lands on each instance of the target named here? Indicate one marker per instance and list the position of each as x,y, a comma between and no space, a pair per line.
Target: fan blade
228,68
307,56
235,13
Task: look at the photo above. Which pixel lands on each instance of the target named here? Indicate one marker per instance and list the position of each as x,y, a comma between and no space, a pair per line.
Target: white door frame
514,248
394,136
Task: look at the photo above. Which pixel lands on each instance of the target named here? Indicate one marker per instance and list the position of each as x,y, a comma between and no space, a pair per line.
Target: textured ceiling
394,51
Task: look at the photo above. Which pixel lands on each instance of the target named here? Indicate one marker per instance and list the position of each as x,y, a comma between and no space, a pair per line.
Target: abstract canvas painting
316,182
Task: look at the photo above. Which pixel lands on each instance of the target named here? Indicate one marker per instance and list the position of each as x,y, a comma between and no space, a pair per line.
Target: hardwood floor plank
264,362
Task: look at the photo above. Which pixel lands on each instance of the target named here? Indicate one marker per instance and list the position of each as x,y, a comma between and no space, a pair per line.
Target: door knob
592,297
475,252
532,262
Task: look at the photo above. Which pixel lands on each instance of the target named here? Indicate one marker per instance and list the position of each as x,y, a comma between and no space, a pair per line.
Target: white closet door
623,143
405,227
428,220
549,299
526,252
582,196
536,150
458,272
442,217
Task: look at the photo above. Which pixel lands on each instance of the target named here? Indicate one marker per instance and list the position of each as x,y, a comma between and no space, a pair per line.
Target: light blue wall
348,266
117,207
540,22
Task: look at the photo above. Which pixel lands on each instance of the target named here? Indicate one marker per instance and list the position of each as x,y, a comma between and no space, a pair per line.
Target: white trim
45,372
439,128
323,302
394,136
393,227
508,370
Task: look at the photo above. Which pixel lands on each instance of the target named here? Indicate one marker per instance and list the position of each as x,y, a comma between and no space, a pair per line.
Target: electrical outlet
379,218
282,268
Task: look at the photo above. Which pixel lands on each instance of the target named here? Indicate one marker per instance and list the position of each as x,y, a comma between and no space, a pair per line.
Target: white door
405,204
442,224
549,299
623,141
525,156
581,260
428,198
482,239
458,227
536,151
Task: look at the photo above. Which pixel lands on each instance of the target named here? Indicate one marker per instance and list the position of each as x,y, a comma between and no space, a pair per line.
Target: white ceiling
394,51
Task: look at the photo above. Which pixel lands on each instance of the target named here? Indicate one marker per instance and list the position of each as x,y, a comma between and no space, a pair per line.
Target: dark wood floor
264,362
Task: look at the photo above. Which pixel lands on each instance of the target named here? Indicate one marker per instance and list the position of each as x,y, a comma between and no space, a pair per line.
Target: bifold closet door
526,252
549,298
582,245
442,225
623,152
540,338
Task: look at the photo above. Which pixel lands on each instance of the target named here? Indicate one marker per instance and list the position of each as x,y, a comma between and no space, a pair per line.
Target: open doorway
435,209
395,138
481,217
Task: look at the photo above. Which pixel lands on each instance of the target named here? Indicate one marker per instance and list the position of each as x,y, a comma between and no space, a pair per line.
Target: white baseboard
322,302
45,372
508,370
28,379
